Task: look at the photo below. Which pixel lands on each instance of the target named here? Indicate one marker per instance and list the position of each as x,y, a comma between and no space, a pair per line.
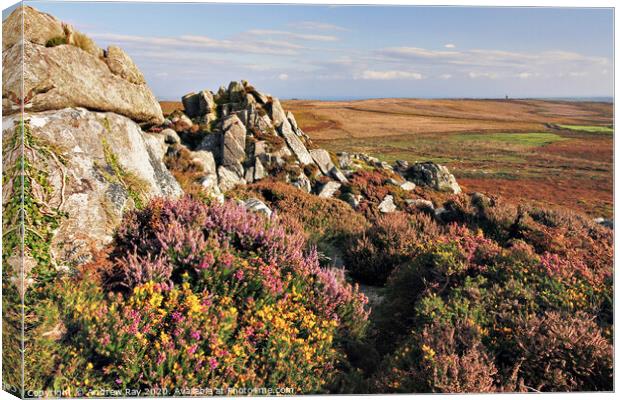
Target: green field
590,128
524,139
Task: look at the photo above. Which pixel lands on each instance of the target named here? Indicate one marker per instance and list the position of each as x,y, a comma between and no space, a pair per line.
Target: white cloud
194,42
316,26
283,77
449,45
390,75
445,76
526,75
293,35
476,75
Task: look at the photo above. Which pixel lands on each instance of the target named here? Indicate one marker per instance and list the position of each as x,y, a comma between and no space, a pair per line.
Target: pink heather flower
207,261
226,259
192,349
177,317
239,275
195,335
118,381
105,340
213,363
161,358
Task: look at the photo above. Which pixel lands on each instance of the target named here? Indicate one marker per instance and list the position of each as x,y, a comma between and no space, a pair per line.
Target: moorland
555,153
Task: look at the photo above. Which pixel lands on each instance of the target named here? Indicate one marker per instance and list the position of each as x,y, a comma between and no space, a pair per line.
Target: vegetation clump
191,293
495,300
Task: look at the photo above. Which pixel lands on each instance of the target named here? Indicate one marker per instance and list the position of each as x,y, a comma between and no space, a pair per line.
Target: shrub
443,358
56,41
564,352
85,43
208,296
528,309
179,162
393,239
325,221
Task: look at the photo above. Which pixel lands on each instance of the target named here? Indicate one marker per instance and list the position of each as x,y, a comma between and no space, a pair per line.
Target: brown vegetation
510,147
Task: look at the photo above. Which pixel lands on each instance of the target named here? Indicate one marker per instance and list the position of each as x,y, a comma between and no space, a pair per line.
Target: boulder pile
239,135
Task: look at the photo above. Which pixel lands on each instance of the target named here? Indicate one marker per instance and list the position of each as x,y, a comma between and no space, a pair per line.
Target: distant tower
506,97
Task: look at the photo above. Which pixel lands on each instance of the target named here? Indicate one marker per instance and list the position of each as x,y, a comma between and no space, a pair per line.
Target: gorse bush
193,295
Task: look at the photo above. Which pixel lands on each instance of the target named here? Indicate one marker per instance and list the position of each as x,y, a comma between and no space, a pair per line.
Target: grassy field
547,152
590,129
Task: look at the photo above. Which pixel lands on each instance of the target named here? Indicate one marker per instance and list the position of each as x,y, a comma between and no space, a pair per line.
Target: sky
345,52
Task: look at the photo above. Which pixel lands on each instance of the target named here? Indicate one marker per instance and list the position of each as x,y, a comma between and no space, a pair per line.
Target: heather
192,293
325,221
492,304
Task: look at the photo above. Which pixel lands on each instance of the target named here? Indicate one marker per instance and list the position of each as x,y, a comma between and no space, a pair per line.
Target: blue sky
328,52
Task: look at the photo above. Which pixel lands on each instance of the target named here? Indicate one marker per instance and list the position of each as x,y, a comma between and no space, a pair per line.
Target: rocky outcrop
38,27
322,159
67,75
433,175
98,165
295,143
252,137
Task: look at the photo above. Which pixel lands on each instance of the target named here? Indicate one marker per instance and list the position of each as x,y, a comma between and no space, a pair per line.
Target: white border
471,3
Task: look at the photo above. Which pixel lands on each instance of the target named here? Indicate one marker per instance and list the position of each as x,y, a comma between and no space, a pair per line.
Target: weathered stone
408,186
213,143
256,205
233,145
249,102
228,179
110,165
302,182
277,113
420,203
171,137
122,65
206,160
38,27
210,183
182,123
260,97
65,76
243,116
344,160
322,159
294,143
387,204
249,174
335,173
221,96
291,119
259,170
401,165
433,175
236,92
191,104
328,189
384,165
206,102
